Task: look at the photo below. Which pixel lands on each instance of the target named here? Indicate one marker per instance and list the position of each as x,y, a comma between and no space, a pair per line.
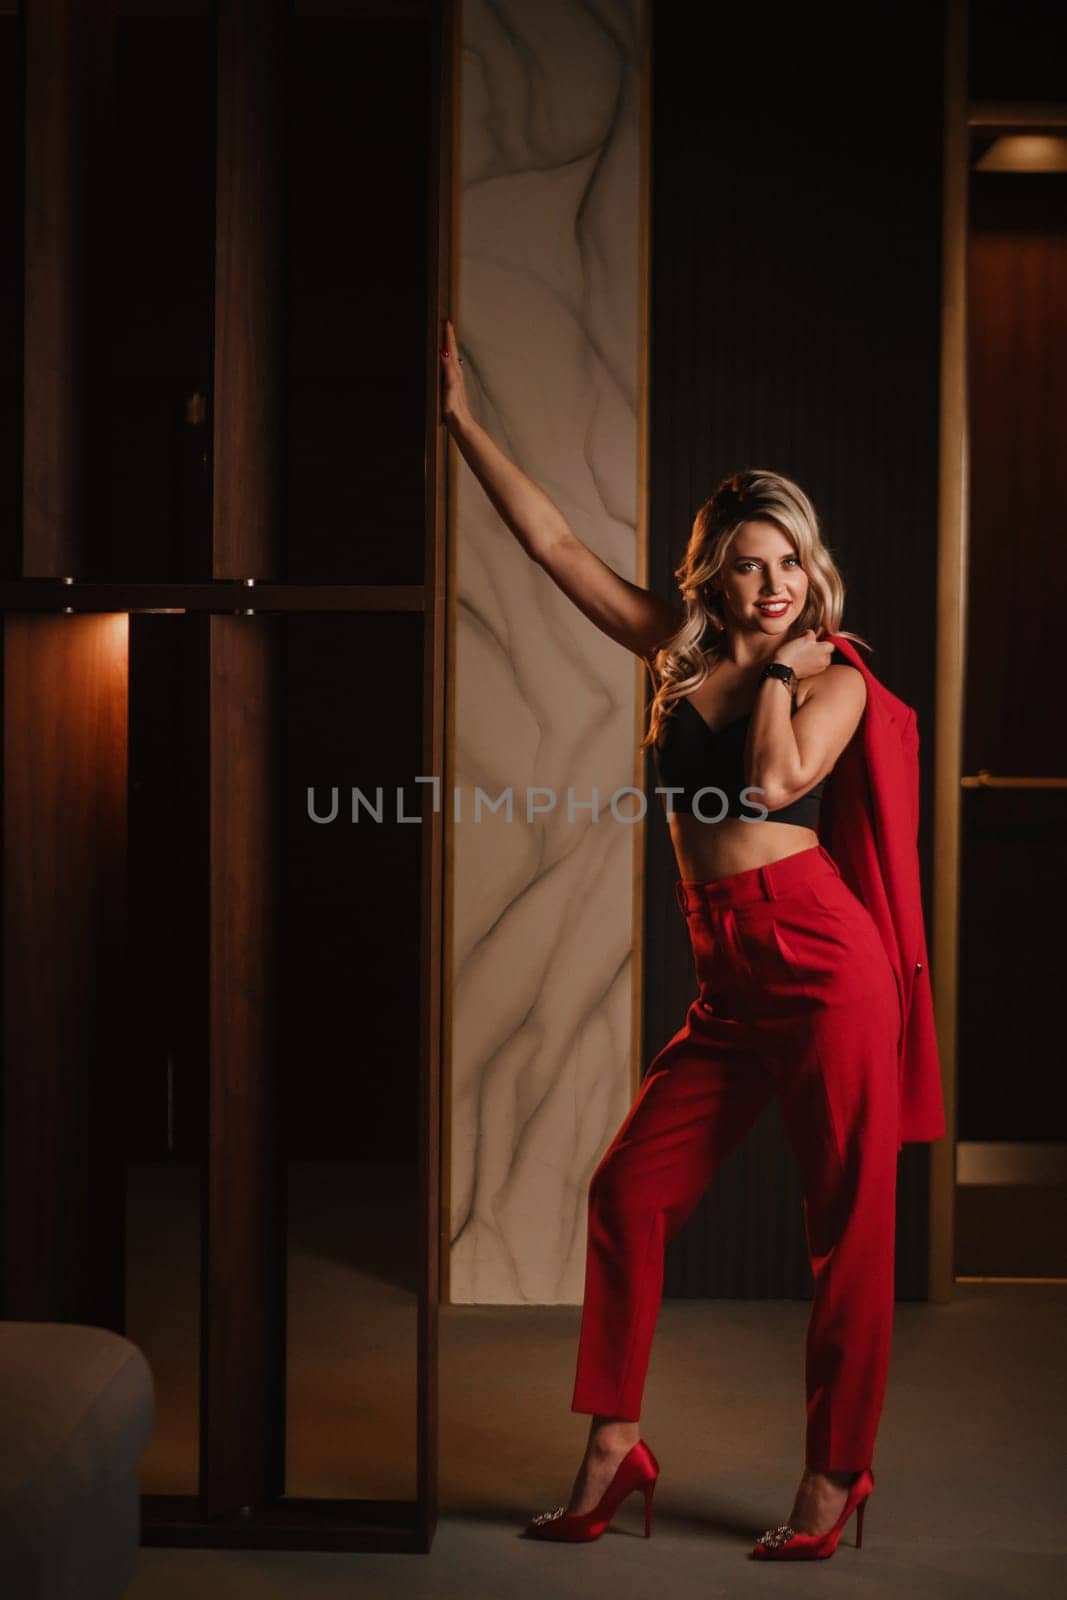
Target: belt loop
766,886
679,895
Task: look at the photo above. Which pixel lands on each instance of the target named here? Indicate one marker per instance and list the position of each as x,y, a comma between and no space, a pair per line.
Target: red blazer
869,822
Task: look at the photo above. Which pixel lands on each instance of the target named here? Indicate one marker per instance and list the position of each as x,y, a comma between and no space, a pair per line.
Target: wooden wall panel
795,326
64,900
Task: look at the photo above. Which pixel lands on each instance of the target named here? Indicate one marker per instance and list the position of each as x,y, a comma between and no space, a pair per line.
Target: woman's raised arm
632,616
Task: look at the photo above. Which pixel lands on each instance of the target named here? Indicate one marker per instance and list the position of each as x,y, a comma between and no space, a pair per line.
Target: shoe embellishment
547,1516
774,1537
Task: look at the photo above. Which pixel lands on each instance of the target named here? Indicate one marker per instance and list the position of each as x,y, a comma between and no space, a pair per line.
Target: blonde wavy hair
683,662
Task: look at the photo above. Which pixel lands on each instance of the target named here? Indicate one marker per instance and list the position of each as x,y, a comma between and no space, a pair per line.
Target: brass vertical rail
641,531
437,663
951,632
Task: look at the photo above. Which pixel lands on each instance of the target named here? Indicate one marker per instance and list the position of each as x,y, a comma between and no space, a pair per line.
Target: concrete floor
969,1469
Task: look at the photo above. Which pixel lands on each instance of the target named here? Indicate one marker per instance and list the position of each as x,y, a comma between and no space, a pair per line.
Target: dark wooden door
1012,1127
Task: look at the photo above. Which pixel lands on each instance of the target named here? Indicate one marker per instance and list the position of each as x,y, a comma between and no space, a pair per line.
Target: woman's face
761,569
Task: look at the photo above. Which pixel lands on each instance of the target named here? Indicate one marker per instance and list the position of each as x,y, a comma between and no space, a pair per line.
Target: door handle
984,779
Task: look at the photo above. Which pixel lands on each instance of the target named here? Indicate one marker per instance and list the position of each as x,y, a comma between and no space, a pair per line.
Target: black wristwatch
778,669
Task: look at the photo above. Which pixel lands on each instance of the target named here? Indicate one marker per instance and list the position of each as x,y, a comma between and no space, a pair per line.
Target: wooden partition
246,567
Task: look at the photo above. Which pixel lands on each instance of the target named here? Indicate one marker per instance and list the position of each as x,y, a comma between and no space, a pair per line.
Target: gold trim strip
984,779
641,553
1035,116
451,468
962,1279
951,641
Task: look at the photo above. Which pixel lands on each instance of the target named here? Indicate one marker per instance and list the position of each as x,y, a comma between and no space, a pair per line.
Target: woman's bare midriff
708,850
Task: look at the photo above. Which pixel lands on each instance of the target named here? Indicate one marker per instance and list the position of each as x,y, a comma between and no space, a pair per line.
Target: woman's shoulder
846,672
834,685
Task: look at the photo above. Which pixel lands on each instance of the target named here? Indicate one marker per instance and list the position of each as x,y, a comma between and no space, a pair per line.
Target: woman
797,995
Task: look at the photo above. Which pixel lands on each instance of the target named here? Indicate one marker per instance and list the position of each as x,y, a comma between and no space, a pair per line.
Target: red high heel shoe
786,1544
638,1469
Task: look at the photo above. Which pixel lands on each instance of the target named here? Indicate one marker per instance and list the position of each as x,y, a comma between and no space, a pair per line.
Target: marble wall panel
542,1053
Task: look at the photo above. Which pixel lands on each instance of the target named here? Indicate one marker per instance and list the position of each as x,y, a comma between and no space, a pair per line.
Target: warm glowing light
1025,152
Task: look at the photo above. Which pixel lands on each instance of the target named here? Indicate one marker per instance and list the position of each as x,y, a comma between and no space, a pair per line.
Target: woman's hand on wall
626,612
454,407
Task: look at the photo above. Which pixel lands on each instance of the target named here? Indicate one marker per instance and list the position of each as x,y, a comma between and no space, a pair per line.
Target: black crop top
692,757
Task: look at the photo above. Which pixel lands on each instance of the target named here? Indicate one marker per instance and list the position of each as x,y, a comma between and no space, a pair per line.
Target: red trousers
797,1000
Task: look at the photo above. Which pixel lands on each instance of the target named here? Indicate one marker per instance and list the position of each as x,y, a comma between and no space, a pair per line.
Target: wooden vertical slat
69,121
444,53
54,334
242,1413
248,290
242,1405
